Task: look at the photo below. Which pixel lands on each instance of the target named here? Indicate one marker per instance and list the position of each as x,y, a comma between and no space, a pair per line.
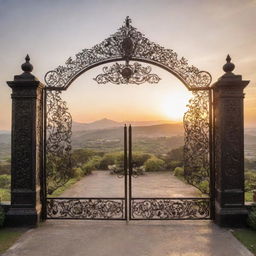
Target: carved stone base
17,217
230,217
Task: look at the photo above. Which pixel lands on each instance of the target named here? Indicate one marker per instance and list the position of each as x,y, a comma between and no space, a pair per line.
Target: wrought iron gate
96,208
128,207
130,46
159,208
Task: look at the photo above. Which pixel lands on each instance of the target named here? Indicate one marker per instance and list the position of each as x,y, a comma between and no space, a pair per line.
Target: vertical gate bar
44,203
125,169
211,155
130,172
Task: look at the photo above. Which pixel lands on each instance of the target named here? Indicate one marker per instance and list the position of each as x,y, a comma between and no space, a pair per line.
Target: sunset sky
202,31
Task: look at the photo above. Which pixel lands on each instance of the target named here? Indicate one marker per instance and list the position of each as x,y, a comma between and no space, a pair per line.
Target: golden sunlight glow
174,106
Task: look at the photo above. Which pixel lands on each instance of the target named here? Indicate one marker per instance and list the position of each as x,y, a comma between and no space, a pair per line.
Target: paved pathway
143,238
136,238
102,184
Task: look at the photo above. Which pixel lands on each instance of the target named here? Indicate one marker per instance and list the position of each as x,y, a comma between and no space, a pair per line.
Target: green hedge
154,164
179,171
92,164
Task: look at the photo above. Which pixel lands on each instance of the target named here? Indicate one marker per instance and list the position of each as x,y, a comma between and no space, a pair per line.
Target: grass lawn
67,185
8,236
247,237
5,194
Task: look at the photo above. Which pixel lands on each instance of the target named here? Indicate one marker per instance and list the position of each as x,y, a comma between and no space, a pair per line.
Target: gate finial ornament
27,66
229,66
128,21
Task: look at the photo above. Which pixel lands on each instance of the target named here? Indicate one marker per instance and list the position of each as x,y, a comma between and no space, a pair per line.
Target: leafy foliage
110,159
252,218
154,164
92,164
250,180
5,181
2,216
174,158
81,156
178,171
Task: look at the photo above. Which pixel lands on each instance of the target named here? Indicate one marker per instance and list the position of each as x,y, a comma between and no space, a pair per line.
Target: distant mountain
97,125
106,123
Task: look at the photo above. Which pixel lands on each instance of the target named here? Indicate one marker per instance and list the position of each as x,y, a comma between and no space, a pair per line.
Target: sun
174,106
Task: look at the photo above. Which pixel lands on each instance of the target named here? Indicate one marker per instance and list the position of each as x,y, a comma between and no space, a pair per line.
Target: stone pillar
229,148
26,161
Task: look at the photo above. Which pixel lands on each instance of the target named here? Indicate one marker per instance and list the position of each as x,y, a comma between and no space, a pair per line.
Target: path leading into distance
157,184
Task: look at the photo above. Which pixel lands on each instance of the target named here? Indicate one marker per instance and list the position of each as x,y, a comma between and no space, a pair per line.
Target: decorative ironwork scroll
135,74
58,141
196,148
170,209
127,44
83,208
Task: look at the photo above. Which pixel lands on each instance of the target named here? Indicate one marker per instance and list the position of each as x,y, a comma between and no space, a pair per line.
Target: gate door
58,166
160,208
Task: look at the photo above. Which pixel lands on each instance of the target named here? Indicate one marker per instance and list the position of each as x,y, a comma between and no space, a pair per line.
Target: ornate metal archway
129,49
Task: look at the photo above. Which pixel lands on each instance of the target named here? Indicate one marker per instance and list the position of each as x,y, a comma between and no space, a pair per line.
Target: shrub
109,159
154,164
139,158
252,218
5,181
81,156
175,154
92,164
171,165
78,173
179,171
2,216
250,180
203,186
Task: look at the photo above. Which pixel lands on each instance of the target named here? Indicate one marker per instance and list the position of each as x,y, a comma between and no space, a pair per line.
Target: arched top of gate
127,44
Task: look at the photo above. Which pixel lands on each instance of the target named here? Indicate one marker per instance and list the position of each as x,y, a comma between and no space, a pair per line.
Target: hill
99,124
106,123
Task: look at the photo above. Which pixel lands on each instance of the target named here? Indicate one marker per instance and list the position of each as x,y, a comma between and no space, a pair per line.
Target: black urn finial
27,66
229,66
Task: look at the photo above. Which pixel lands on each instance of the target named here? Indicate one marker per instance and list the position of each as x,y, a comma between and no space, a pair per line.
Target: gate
128,207
131,47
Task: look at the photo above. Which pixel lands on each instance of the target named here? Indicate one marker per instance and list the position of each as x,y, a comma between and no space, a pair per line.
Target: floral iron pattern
196,123
127,44
85,208
170,208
